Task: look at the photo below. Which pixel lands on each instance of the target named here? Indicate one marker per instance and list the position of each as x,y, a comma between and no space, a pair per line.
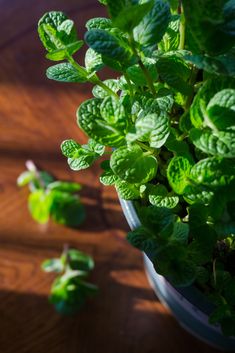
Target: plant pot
189,306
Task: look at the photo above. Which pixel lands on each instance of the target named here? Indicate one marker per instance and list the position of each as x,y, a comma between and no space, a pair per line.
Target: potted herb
168,123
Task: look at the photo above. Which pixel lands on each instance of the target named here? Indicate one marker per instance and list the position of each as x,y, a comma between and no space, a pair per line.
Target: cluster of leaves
50,198
70,289
169,118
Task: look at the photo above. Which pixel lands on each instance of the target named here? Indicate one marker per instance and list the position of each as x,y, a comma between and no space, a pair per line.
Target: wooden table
35,116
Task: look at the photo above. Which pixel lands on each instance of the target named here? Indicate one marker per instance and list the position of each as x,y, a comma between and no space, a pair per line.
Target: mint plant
50,198
167,120
70,290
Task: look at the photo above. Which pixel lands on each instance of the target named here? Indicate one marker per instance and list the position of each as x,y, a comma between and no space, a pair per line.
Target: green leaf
93,61
69,148
220,65
159,220
65,72
136,74
113,112
94,125
208,20
217,143
82,161
99,92
142,239
130,16
172,262
180,148
66,209
175,72
202,98
69,293
25,178
126,190
221,109
178,173
133,165
108,177
65,52
159,196
153,26
78,260
106,44
180,232
152,128
65,186
99,23
213,172
58,35
52,265
171,38
39,203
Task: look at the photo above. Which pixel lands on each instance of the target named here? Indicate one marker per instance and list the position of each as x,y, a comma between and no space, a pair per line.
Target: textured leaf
133,165
58,35
213,172
208,20
219,65
99,23
69,148
93,61
126,190
99,92
202,98
159,196
153,26
175,72
113,112
178,174
142,239
65,72
158,219
130,16
106,44
221,109
152,128
218,143
92,123
180,232
136,74
171,38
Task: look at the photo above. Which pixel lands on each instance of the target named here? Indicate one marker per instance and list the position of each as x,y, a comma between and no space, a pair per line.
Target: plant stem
129,85
105,88
93,79
30,165
143,68
182,30
147,148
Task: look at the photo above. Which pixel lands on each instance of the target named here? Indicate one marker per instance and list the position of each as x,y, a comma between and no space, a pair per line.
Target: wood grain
35,116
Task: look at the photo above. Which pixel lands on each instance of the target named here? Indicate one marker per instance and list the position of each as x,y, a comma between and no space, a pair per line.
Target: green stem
106,88
143,68
32,168
93,79
182,31
144,147
129,85
79,68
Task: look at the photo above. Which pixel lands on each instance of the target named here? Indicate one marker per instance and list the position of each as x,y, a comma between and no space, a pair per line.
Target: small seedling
70,290
50,198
